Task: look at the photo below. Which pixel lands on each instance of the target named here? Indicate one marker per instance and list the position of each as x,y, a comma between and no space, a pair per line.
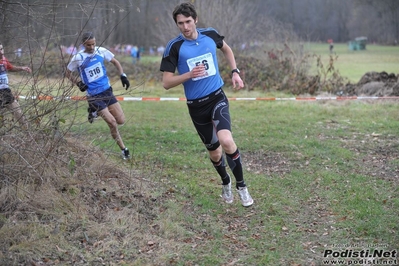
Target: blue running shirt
92,70
185,54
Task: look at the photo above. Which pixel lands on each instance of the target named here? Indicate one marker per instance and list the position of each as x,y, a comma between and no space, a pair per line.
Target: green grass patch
321,174
354,64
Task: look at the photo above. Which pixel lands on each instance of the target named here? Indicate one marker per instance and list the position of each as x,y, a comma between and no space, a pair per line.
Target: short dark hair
185,9
87,36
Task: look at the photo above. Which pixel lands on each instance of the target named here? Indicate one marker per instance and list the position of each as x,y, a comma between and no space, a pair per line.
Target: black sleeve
215,36
170,58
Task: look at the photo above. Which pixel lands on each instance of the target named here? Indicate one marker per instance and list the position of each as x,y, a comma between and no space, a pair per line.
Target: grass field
354,64
324,176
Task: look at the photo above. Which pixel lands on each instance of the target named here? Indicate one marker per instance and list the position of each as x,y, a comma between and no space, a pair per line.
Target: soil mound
380,84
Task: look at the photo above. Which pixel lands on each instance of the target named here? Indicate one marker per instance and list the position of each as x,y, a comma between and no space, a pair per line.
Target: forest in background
29,24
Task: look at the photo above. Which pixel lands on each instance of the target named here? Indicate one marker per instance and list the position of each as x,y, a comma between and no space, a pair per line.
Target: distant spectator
160,50
128,49
134,54
140,52
151,51
18,53
330,41
118,48
71,50
81,47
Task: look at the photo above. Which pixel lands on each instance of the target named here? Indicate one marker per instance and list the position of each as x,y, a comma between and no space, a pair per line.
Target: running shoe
246,199
227,195
125,154
92,115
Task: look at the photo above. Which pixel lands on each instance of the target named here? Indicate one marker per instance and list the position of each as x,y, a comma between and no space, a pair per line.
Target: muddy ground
380,84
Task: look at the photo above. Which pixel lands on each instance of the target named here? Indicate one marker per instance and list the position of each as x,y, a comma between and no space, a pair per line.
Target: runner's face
89,46
1,51
187,26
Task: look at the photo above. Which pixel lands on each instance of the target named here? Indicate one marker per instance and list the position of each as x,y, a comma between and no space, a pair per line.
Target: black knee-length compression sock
234,161
220,167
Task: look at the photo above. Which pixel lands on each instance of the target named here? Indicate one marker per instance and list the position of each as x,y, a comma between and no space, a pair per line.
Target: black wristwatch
236,70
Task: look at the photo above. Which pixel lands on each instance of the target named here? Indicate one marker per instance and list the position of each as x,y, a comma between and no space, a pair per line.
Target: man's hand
27,69
198,71
82,87
236,79
125,81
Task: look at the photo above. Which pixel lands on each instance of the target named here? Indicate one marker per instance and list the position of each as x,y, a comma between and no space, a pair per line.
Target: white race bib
94,72
207,61
3,81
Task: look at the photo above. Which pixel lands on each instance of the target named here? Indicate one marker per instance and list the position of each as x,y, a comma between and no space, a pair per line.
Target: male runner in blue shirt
95,82
193,54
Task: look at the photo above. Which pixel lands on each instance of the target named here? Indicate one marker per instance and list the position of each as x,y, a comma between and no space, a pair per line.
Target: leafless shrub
59,194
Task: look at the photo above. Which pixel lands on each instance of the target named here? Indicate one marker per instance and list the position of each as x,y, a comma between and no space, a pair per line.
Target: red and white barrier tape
156,99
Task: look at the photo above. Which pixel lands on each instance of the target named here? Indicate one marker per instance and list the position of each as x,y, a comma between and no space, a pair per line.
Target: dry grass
67,200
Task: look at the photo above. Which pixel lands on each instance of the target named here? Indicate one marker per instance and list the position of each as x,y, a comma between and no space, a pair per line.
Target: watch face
235,71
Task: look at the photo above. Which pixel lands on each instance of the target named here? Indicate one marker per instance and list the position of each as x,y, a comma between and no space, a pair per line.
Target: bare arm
170,80
117,65
18,69
69,75
229,55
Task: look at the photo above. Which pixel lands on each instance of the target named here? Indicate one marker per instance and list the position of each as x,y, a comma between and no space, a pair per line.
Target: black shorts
6,97
102,100
209,115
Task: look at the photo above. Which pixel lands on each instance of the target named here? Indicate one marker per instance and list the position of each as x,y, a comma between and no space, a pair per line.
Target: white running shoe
246,199
125,154
227,195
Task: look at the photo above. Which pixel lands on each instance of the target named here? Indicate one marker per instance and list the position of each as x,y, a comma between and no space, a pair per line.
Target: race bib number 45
207,61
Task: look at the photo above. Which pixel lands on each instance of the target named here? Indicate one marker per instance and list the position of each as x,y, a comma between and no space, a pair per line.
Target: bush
284,70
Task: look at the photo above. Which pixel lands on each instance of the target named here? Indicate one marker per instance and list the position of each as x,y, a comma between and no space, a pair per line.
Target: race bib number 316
207,61
94,72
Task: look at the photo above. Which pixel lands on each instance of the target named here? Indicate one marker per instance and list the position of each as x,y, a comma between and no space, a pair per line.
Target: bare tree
40,32
240,22
378,20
